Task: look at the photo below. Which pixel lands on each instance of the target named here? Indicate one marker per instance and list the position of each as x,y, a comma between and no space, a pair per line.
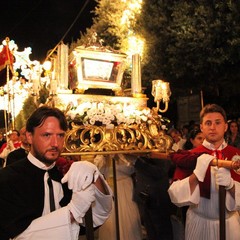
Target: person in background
128,213
177,139
232,135
21,152
37,201
185,131
13,142
198,187
2,139
194,139
150,193
192,125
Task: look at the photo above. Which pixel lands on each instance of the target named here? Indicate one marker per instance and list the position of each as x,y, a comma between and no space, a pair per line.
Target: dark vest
22,196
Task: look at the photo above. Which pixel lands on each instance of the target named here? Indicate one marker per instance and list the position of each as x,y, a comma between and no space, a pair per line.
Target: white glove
202,166
80,175
223,178
81,202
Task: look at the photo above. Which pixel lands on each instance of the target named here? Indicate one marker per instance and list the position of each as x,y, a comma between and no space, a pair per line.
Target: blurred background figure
2,139
233,135
185,131
13,142
178,141
195,138
21,152
150,193
129,218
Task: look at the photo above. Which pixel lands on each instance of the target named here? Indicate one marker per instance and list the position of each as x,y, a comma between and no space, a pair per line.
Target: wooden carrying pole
215,162
222,218
89,224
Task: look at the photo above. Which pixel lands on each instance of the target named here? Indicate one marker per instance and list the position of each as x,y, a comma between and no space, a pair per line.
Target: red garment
16,145
186,161
63,164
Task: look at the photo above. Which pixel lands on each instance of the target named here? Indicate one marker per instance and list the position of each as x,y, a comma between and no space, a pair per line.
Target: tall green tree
195,45
192,43
107,24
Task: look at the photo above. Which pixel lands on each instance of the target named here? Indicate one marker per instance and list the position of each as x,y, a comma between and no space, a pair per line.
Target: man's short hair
41,114
212,108
15,131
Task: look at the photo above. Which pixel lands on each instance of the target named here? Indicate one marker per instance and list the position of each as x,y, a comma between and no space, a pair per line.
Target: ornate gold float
100,124
124,125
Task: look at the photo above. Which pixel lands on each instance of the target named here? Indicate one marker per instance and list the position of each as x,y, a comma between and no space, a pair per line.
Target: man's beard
42,157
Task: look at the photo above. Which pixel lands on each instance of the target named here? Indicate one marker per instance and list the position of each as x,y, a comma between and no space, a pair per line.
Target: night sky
41,24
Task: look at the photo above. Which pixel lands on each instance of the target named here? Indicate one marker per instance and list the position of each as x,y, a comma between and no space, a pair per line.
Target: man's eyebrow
219,119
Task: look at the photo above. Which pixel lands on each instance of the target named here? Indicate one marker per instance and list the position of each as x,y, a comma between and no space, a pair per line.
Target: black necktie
51,195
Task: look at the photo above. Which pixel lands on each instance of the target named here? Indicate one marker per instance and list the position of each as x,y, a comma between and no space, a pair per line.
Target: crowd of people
183,137
149,191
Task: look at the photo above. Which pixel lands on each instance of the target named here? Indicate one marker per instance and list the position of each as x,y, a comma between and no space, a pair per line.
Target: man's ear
226,127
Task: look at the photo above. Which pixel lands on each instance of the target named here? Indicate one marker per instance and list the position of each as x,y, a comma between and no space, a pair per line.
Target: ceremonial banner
6,58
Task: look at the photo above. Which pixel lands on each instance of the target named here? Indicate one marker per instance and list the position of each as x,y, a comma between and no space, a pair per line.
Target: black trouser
150,193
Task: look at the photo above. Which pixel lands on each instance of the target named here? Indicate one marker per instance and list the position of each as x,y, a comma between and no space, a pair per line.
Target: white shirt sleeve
180,193
101,208
231,203
55,225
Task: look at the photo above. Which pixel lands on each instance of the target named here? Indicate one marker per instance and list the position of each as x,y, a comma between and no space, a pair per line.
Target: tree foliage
195,45
192,43
107,24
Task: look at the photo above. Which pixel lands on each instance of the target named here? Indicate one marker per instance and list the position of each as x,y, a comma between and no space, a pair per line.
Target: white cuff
102,207
55,225
230,185
180,193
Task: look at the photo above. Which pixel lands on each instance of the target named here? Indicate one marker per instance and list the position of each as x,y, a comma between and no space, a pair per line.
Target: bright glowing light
97,69
136,45
125,18
20,88
47,65
133,7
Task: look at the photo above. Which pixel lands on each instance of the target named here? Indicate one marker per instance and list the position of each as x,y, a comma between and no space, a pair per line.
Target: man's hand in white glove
223,178
80,175
81,202
202,166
